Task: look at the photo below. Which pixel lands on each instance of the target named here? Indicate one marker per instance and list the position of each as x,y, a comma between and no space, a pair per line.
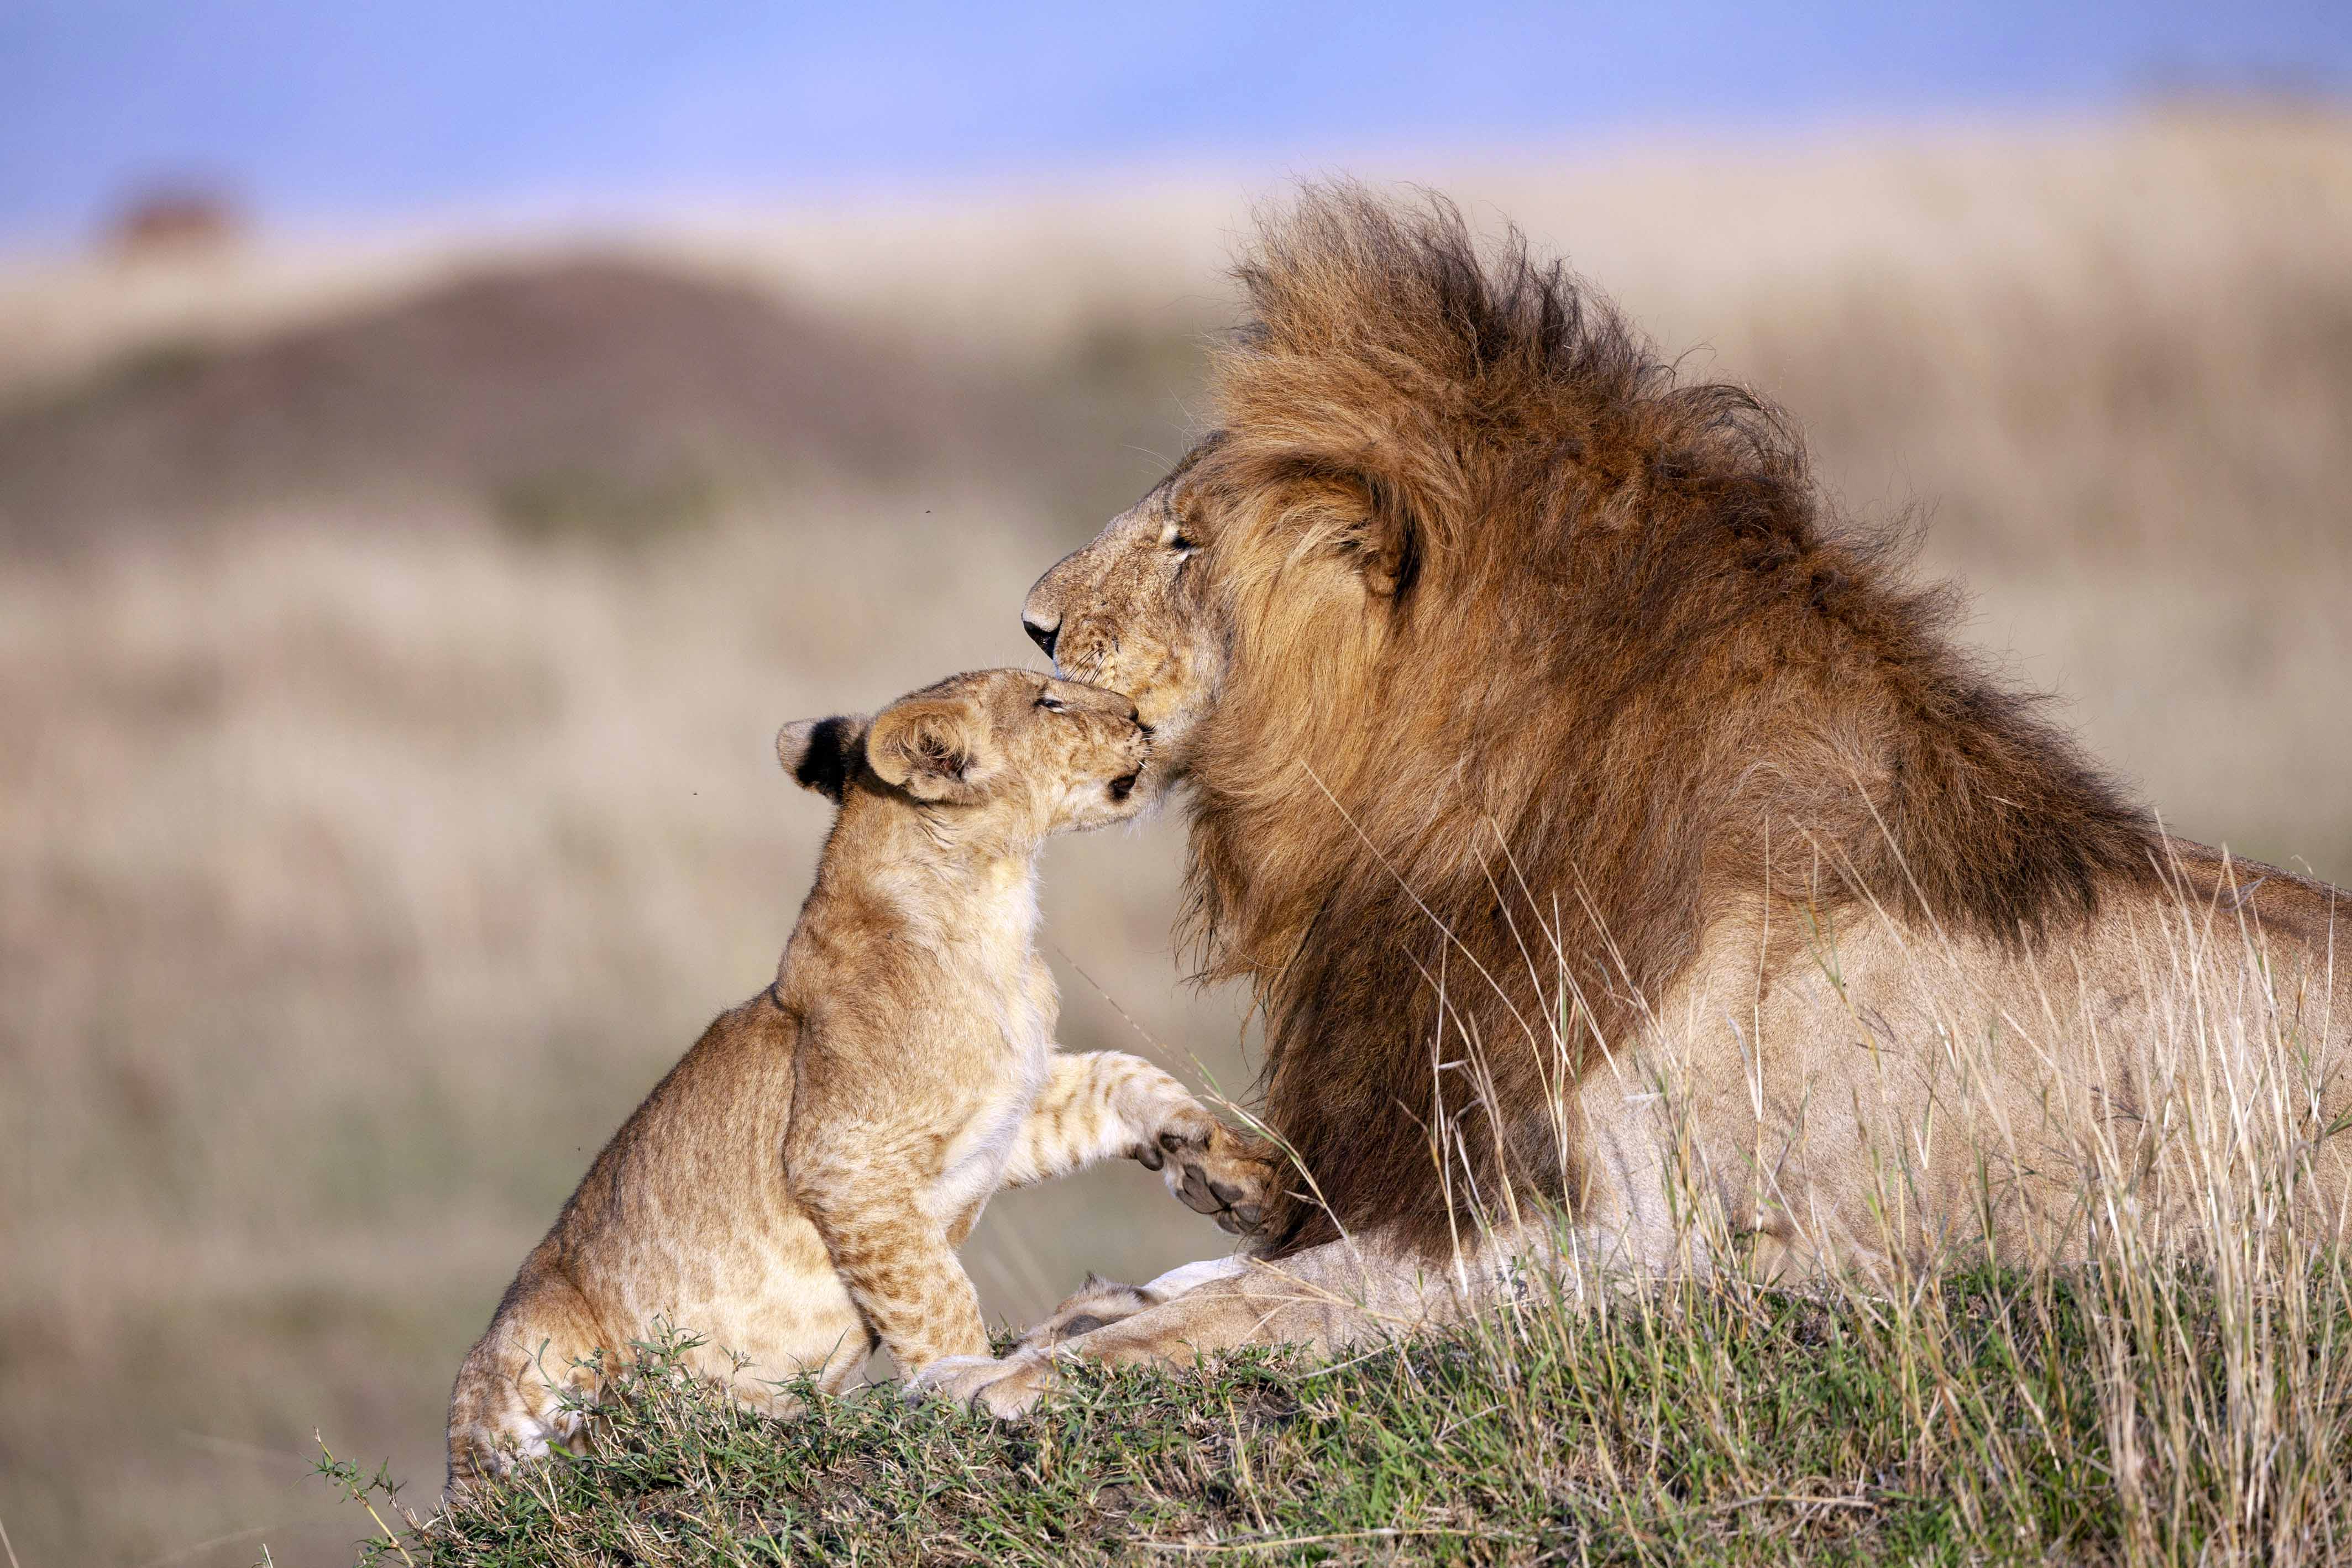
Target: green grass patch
1976,1421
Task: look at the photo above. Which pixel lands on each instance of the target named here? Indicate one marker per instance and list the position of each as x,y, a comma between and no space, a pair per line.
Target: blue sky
323,110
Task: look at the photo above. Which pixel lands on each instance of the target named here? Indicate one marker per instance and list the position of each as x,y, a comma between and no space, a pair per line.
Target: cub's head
1008,753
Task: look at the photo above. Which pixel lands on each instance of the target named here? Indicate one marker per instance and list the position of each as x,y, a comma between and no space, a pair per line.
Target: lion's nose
1041,633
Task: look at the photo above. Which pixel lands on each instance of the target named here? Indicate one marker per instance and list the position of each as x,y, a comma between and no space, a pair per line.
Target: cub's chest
1016,1047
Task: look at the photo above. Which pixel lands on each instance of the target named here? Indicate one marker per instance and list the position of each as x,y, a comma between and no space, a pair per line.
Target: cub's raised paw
1215,1171
1006,1389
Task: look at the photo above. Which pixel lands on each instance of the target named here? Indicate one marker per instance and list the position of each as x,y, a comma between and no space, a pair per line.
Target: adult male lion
1626,867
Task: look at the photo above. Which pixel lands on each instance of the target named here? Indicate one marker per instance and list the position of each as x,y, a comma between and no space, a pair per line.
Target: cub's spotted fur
796,1189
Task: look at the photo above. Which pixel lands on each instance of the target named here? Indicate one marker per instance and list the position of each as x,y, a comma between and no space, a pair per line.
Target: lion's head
1495,658
1136,609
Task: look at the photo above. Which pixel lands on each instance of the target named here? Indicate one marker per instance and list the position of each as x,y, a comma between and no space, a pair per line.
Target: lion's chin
1169,717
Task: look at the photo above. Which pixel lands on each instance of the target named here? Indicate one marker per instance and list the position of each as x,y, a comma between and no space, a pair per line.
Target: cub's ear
822,753
933,749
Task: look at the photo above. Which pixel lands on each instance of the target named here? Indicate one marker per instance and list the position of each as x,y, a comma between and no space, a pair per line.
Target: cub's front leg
894,1260
1105,1104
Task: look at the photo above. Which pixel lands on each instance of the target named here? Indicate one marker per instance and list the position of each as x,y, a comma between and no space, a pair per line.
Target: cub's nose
1041,633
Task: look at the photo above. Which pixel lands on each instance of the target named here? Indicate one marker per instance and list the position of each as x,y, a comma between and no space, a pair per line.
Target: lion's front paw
1212,1170
1095,1303
1005,1390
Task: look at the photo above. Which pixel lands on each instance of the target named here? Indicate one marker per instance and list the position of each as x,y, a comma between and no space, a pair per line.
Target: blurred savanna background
438,448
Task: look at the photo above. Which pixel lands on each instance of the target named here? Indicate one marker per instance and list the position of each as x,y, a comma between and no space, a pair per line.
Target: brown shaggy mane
1621,673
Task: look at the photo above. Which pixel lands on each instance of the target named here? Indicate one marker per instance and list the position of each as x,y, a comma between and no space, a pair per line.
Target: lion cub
794,1190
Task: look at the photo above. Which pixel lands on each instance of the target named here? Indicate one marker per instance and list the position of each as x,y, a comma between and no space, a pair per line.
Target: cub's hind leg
524,1391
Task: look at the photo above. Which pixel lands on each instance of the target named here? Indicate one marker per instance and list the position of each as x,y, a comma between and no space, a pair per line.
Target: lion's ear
934,749
821,753
1387,542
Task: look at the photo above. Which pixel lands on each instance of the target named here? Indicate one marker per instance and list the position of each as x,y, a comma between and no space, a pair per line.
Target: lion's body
1874,1094
1868,1099
1599,824
793,1192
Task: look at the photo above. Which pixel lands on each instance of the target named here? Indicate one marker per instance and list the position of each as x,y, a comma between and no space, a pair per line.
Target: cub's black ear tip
817,753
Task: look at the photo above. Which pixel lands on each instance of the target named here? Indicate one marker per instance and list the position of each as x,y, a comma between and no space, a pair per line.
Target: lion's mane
1622,672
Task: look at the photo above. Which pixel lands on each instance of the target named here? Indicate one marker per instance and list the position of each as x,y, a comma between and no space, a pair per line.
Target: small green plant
360,1487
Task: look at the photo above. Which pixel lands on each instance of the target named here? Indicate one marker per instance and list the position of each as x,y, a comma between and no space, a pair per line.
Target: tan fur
1554,758
794,1190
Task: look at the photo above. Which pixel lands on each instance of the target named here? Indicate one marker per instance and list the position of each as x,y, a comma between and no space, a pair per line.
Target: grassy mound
1988,1417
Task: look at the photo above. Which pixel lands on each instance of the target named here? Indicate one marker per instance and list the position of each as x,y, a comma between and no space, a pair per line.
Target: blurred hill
392,629
601,395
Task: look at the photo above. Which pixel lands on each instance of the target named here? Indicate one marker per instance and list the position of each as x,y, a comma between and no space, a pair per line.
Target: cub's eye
1050,704
1181,542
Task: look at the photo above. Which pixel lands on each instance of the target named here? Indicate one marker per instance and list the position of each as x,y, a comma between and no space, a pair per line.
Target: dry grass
359,869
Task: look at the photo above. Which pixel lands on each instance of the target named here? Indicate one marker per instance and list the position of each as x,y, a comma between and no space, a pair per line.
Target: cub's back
682,1155
687,1215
